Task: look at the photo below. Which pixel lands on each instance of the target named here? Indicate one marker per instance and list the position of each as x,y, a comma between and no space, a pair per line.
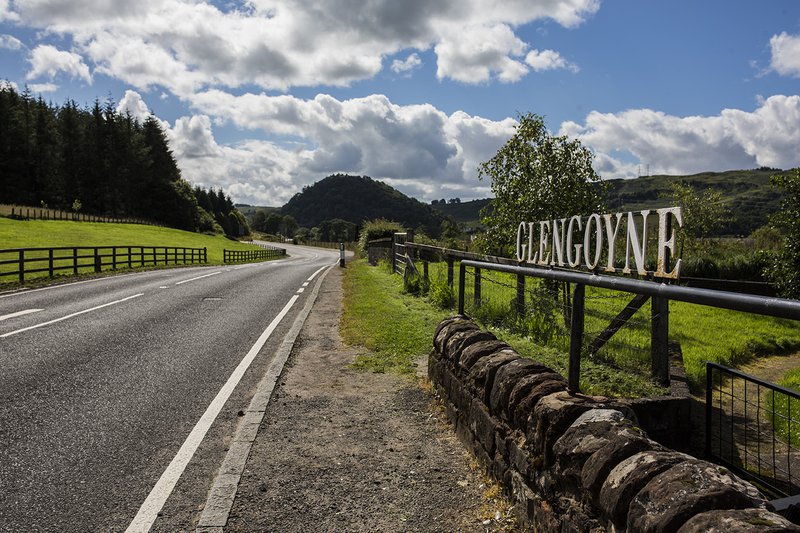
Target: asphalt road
98,396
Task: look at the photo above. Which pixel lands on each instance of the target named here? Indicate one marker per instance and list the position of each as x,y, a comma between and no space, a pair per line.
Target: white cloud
785,54
10,42
133,104
47,60
416,148
6,14
188,45
768,136
407,65
37,88
548,60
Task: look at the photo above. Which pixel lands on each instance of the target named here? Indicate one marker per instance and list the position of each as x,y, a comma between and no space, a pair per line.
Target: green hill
466,212
359,198
748,194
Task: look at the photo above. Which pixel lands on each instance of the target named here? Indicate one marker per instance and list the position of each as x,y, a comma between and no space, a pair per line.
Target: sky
264,97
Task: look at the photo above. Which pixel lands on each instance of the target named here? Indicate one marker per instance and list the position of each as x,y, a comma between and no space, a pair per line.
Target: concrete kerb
223,491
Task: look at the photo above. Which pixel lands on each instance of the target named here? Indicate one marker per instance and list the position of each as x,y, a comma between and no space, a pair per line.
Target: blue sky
266,96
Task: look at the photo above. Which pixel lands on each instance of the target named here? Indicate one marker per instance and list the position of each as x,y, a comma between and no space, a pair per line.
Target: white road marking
152,505
70,316
300,290
305,284
19,313
314,275
199,277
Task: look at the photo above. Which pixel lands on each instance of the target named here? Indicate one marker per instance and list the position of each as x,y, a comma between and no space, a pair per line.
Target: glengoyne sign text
594,242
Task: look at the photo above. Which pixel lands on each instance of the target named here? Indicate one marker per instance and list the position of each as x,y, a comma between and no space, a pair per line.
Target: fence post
476,288
113,258
129,257
659,339
709,399
394,253
461,283
50,262
450,271
75,261
425,273
205,255
97,263
22,266
576,339
520,294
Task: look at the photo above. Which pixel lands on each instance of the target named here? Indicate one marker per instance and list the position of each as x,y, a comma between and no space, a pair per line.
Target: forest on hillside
99,161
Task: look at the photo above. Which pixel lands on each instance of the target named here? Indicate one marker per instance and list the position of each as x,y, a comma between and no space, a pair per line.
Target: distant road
102,381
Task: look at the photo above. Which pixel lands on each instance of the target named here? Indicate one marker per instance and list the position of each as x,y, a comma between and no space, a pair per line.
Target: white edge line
70,316
152,505
199,277
19,313
314,275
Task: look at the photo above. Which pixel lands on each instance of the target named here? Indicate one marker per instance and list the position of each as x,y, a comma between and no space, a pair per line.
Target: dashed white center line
19,313
300,290
10,333
199,277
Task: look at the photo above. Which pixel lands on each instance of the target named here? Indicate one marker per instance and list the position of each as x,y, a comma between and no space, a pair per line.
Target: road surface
102,382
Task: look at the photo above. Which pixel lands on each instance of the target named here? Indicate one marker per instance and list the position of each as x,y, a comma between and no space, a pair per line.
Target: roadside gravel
343,450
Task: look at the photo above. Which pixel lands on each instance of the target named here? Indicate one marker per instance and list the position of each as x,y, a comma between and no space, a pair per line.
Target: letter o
592,264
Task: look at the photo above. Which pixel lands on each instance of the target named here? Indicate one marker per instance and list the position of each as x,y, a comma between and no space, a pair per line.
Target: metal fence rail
76,259
240,256
753,428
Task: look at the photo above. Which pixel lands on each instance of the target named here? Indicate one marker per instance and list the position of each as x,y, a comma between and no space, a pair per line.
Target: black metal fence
753,428
22,262
241,256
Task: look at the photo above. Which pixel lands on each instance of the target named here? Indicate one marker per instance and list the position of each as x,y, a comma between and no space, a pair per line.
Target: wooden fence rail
240,256
25,261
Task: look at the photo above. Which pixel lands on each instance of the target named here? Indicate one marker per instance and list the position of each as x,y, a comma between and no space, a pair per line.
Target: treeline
96,160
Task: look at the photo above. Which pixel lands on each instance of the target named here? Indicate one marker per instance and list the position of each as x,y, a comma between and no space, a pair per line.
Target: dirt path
341,450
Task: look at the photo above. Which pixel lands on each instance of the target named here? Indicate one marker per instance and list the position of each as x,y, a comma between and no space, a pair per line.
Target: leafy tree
785,270
703,213
273,223
288,226
536,176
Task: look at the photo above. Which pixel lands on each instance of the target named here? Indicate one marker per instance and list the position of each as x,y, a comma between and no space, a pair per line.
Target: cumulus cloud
43,87
407,65
10,42
416,148
6,14
133,104
768,136
187,45
47,60
548,60
785,54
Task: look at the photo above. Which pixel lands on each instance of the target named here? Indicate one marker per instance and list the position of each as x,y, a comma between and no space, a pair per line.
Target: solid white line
19,313
70,316
199,277
152,505
314,275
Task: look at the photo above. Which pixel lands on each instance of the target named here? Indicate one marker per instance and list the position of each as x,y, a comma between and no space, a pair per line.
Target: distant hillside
748,194
250,210
359,198
466,212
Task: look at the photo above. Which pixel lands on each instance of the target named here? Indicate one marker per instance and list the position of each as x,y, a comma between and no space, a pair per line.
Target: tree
785,270
703,213
537,176
288,226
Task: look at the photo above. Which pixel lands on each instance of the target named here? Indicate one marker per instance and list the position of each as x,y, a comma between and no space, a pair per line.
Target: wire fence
753,427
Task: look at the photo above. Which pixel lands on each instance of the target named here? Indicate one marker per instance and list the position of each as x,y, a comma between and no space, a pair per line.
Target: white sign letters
560,243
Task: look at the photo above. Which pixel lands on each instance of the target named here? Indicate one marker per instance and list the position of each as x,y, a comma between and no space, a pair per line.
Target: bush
441,294
377,229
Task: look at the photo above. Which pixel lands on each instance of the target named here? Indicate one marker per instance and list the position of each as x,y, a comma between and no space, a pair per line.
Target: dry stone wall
572,462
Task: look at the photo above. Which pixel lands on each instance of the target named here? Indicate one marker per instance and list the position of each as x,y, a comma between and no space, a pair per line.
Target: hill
359,198
466,212
748,194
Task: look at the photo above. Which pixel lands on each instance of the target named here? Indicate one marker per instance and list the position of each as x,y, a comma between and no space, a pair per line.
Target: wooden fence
240,256
76,259
40,213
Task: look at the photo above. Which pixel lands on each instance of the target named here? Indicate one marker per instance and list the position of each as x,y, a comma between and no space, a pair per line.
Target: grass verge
398,328
785,410
51,233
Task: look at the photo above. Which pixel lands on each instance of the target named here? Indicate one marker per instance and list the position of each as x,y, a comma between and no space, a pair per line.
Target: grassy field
48,233
704,333
398,327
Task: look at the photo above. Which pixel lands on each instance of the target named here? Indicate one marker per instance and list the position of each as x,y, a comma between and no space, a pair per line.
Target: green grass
49,233
786,408
398,328
704,333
